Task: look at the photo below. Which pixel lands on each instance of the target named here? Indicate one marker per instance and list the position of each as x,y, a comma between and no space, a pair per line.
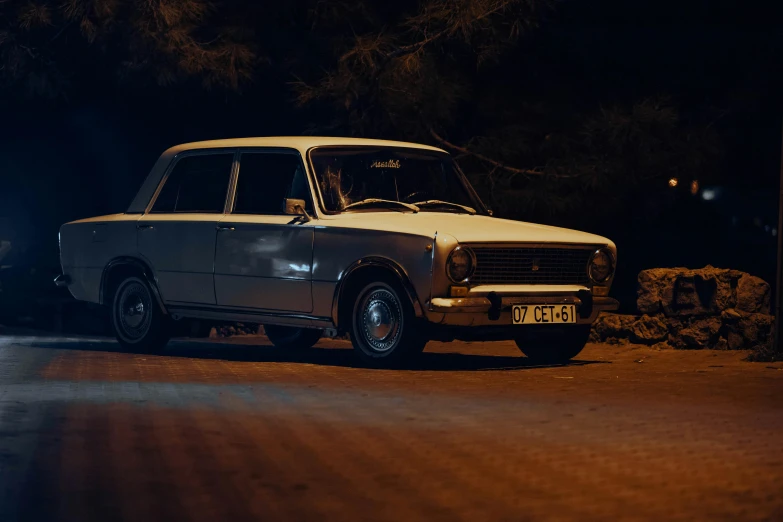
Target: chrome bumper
483,304
497,310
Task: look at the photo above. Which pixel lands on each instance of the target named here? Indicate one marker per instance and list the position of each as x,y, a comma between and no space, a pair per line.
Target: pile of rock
231,330
705,308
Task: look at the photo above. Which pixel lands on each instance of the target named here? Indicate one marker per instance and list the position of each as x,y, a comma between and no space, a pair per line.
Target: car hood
463,227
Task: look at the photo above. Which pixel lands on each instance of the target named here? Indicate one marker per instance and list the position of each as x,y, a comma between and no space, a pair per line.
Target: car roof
301,143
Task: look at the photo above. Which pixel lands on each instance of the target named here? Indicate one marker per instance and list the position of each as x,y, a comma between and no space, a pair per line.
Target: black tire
384,331
292,337
137,320
553,345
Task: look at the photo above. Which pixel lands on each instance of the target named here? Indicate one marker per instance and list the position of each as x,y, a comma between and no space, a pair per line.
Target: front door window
266,180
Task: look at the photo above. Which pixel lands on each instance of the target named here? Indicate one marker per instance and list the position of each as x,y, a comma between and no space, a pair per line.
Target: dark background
68,157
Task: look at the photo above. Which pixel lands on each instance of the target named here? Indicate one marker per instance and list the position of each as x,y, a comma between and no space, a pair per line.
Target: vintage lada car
312,236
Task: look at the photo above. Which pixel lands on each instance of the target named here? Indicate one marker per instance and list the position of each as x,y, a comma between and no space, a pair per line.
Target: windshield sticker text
390,164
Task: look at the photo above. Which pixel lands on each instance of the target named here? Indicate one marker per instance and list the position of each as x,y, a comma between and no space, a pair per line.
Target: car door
263,257
177,233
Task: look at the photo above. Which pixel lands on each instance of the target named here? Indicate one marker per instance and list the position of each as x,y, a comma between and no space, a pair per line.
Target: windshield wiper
382,202
440,203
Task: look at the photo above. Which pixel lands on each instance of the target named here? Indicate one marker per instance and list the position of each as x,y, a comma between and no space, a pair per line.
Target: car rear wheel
383,328
136,318
291,337
553,345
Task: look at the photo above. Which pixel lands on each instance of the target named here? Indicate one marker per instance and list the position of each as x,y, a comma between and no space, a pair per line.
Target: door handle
224,227
143,227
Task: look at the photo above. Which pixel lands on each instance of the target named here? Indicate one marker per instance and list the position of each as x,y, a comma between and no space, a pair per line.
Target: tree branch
412,48
64,27
29,50
494,163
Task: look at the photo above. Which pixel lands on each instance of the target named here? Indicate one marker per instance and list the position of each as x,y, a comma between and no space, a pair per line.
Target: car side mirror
296,207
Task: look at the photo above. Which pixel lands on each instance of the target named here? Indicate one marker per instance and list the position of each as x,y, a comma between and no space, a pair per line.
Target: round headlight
601,266
460,264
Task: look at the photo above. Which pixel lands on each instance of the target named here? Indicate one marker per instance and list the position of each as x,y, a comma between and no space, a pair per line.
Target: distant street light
673,182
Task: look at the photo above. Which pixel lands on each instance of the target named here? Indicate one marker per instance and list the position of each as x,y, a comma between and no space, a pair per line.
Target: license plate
543,314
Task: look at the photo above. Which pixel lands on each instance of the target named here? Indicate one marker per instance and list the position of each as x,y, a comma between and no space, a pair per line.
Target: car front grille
517,266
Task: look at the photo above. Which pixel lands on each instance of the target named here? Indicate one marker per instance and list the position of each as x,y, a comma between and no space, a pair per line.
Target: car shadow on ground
324,356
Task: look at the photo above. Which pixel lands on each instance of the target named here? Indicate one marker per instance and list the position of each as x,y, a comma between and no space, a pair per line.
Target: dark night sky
64,160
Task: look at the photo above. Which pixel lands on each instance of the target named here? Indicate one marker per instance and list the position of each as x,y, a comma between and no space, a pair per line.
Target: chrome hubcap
133,314
381,320
133,310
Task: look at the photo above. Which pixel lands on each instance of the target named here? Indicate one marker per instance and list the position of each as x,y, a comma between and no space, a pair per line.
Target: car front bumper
493,310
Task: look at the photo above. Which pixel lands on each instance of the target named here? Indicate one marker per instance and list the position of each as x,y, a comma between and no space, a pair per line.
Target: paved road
241,431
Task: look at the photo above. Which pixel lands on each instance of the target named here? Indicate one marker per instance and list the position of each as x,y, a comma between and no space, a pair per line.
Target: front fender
380,262
337,252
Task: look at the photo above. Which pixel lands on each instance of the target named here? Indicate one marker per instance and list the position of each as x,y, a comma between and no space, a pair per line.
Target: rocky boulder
620,328
753,294
706,291
235,329
732,330
612,328
747,329
649,330
695,332
691,309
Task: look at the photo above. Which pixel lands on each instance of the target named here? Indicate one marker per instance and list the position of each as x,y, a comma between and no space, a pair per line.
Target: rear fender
142,267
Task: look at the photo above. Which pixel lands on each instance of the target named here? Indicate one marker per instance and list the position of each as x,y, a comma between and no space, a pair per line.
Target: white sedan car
314,236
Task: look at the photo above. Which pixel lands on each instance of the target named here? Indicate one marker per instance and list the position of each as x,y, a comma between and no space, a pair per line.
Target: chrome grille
515,265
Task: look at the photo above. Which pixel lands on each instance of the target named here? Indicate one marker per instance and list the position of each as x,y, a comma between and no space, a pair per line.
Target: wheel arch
362,266
127,265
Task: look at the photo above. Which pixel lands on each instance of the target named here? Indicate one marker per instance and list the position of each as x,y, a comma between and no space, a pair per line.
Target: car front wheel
553,345
136,318
383,329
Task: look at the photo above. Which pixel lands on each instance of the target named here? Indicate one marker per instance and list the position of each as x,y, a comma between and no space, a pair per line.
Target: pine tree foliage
428,70
391,77
43,43
425,75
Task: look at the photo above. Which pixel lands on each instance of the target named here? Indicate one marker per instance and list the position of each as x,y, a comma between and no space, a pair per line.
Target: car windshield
383,177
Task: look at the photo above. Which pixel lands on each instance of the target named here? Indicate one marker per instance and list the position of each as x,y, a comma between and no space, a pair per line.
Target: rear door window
197,184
